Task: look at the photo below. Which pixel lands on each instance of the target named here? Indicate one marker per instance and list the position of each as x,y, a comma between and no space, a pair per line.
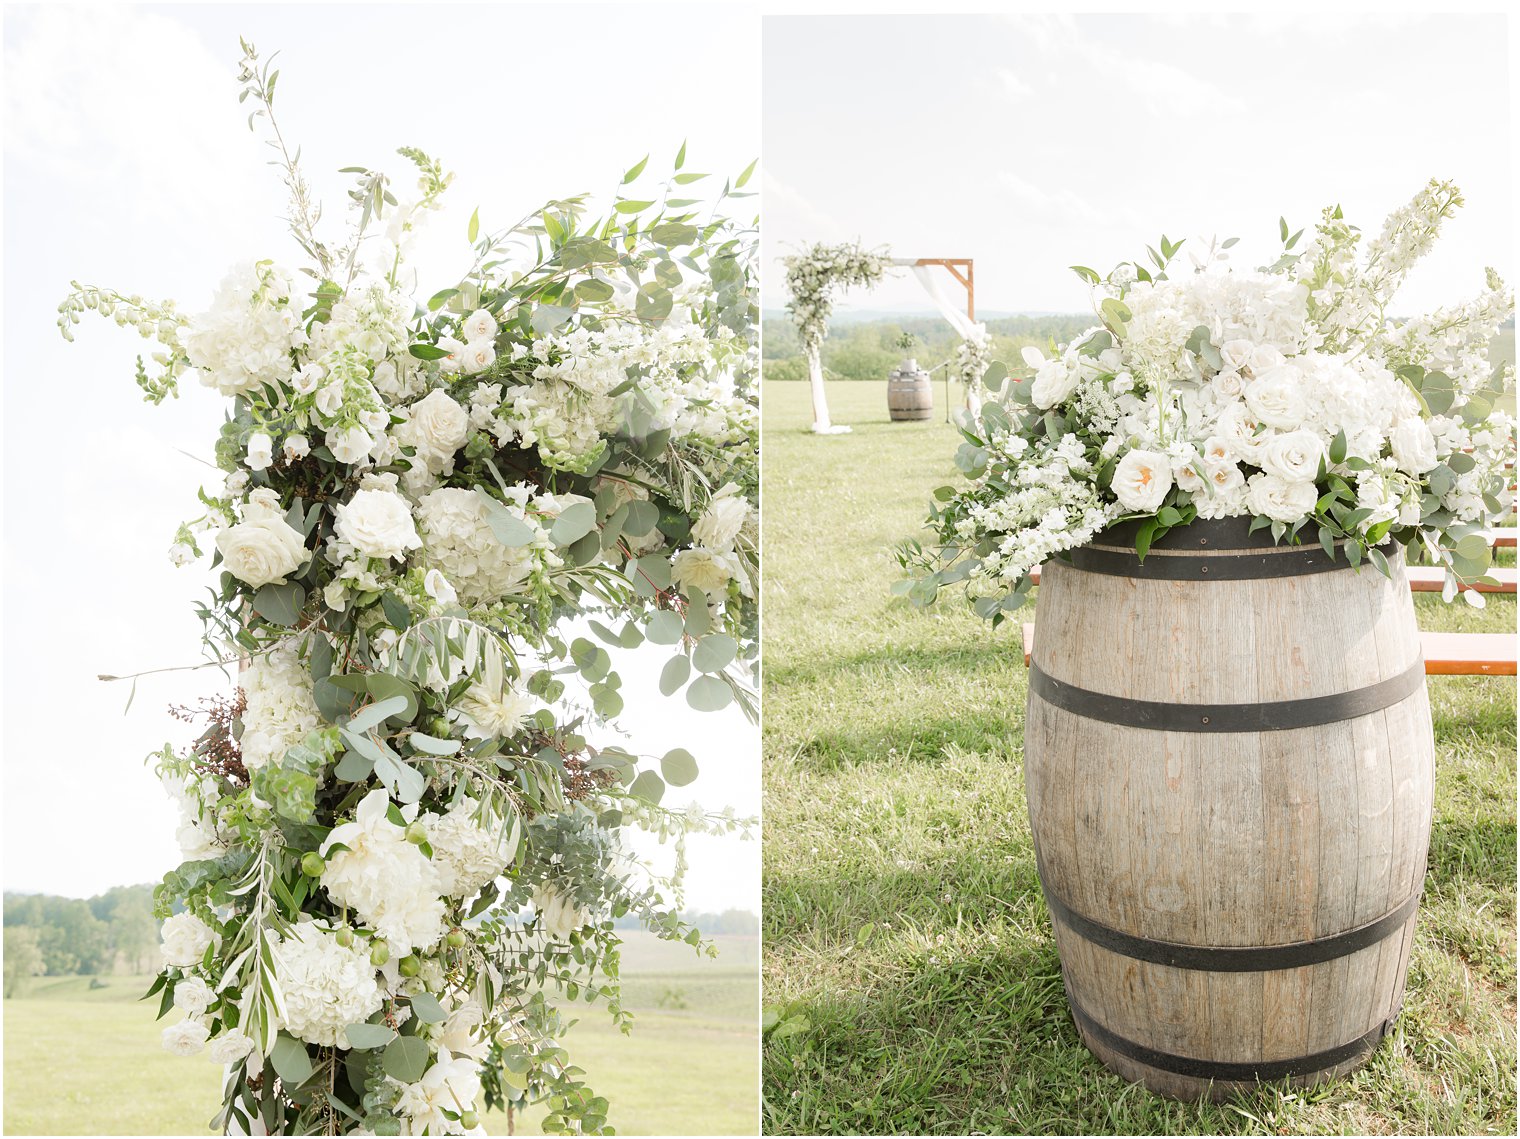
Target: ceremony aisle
911,982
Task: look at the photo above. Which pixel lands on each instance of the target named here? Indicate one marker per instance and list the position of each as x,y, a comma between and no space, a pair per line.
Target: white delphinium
387,880
326,986
281,708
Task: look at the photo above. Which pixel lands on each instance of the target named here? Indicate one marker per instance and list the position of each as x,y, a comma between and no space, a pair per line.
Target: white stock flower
325,985
1142,480
263,548
1293,456
193,995
377,523
187,1037
260,451
1414,445
1279,500
387,880
185,938
723,519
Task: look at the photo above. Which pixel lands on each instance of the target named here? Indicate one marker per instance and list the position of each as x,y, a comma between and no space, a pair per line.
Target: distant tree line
868,349
738,923
46,934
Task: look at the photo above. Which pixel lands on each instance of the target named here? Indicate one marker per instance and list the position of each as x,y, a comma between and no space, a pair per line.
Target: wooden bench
1446,654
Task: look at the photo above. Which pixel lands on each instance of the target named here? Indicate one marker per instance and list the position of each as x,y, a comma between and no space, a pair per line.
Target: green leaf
401,779
629,206
574,522
648,786
681,156
369,1035
678,766
290,1060
745,176
670,233
642,518
373,714
396,611
427,1008
354,768
638,168
280,604
593,291
382,686
406,1059
1338,447
427,352
441,298
433,745
665,628
709,694
474,231
714,652
674,675
654,303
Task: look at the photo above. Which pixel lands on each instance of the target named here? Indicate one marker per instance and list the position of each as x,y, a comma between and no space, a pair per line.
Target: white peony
377,523
1293,456
260,451
558,915
388,881
470,848
438,426
1414,445
723,519
193,995
1142,480
186,1038
1053,383
458,542
185,939
325,985
1280,501
263,548
1276,397
232,1047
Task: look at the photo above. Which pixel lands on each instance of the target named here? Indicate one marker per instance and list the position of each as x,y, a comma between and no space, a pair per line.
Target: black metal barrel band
1247,565
1234,958
1271,716
1258,1070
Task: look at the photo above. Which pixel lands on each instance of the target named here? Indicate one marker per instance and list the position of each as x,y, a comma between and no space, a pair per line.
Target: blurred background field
82,1055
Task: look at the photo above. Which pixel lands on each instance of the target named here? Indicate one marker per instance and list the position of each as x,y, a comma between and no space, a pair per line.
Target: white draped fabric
821,423
964,326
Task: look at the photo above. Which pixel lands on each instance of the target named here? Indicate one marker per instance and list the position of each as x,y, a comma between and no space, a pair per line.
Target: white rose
1414,445
350,445
1279,500
1141,480
260,451
1228,384
1263,358
185,1038
185,938
722,520
1223,475
477,356
1053,383
1236,354
193,995
450,363
1293,456
231,1047
479,325
1276,397
378,524
1237,427
438,425
262,549
296,447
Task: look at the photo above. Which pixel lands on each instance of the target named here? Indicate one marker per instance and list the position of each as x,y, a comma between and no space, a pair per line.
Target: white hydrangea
326,987
470,847
281,708
246,337
458,542
387,880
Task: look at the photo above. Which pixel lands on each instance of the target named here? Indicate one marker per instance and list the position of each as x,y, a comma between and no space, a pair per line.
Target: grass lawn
88,1062
908,952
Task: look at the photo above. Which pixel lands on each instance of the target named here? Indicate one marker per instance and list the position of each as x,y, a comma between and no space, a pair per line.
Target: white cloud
1014,87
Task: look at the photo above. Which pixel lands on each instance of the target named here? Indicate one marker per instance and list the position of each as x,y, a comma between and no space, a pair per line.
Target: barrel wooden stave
909,396
1230,839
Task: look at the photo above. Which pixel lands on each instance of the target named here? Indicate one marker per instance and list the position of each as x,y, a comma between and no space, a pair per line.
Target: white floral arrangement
816,274
403,835
972,360
1286,394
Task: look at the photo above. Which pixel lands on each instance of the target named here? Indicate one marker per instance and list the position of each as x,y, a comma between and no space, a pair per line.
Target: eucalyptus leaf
665,627
674,675
375,713
280,604
714,652
709,694
290,1060
679,767
405,1059
369,1035
574,522
647,786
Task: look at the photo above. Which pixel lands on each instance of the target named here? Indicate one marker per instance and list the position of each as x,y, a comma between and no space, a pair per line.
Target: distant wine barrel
1229,762
909,395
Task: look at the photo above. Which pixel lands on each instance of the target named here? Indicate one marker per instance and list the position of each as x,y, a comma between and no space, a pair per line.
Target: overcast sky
1031,143
128,164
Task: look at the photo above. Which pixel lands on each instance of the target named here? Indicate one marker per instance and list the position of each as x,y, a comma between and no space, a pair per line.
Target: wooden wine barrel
909,395
1230,763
